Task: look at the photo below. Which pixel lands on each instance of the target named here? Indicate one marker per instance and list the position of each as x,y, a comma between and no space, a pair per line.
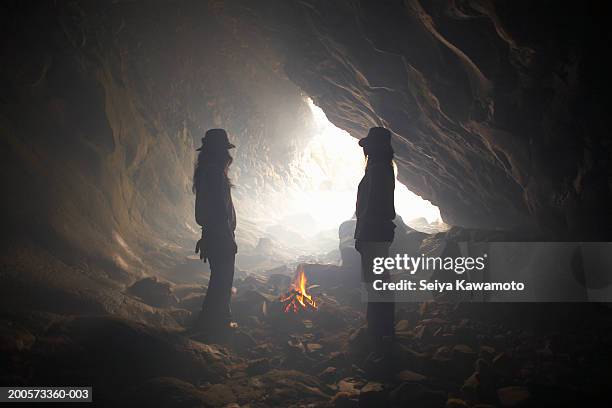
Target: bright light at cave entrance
336,163
301,208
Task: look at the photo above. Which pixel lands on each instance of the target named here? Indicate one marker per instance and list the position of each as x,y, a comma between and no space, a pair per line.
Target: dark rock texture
444,354
496,107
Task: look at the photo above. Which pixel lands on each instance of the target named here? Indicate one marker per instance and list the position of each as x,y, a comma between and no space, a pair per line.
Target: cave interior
497,115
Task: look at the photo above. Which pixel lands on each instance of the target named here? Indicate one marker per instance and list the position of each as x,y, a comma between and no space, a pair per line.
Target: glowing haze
319,193
337,162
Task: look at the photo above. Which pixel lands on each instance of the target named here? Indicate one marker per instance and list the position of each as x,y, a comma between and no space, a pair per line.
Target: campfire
298,298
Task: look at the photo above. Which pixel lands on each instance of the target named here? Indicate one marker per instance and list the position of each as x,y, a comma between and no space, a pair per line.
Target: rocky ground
445,355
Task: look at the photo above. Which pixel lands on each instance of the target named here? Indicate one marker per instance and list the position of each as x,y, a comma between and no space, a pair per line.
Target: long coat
215,213
375,207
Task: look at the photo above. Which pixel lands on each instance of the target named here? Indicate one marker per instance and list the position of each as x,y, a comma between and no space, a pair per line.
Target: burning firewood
298,297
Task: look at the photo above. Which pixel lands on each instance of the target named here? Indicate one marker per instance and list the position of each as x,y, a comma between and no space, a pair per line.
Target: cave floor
445,354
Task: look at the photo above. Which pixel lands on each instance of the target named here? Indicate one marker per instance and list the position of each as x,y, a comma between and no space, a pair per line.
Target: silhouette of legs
380,313
216,310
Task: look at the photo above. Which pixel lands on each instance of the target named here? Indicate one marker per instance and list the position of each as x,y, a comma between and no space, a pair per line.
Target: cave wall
497,111
496,106
102,108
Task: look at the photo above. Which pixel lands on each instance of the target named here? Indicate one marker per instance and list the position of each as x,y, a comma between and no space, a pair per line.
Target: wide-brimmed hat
215,139
377,136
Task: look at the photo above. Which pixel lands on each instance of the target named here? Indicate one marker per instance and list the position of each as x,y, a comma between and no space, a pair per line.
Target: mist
297,219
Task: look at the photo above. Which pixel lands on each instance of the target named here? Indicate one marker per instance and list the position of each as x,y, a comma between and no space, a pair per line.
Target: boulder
513,396
412,394
218,395
372,395
292,385
153,292
258,366
328,375
456,403
410,376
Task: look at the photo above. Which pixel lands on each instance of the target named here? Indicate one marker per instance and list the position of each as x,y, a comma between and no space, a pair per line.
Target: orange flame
298,296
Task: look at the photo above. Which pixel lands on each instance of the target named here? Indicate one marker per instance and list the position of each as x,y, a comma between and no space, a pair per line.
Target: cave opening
298,219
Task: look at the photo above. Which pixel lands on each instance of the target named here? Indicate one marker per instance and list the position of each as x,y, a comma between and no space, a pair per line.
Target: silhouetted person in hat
214,212
374,231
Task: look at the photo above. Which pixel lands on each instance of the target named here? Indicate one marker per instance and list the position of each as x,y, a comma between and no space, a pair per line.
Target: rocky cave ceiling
495,107
497,117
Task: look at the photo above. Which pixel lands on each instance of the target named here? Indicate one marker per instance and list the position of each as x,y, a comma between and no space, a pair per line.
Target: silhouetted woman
375,228
214,212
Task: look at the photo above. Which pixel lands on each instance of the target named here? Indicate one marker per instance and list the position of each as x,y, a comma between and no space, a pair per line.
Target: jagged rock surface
495,106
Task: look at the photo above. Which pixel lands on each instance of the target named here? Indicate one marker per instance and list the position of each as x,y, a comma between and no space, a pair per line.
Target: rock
410,376
242,341
412,394
435,322
349,255
442,354
328,375
295,346
350,385
403,325
456,403
336,359
14,338
513,396
403,356
183,290
421,332
262,349
481,384
192,302
251,321
471,387
254,283
218,395
359,340
344,400
258,366
292,385
279,281
249,303
328,317
502,363
545,353
163,392
407,240
372,395
324,275
252,390
378,365
484,368
314,347
130,351
419,222
463,349
357,372
182,316
487,352
463,357
153,292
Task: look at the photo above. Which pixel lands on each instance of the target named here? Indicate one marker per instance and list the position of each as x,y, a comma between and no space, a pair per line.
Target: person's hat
377,136
216,139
